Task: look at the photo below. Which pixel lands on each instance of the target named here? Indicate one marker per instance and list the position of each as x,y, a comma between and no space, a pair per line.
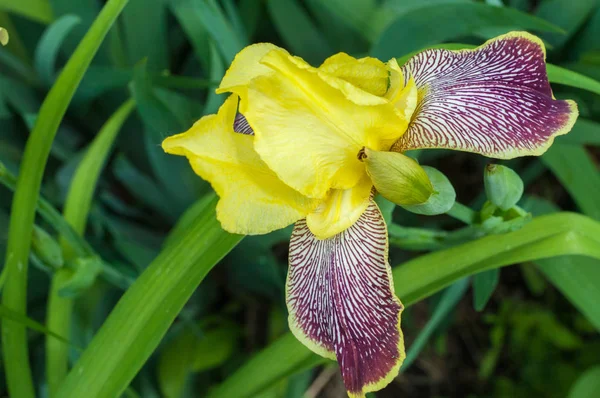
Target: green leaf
567,14
149,306
544,237
355,13
298,31
161,119
451,21
392,9
579,280
448,301
15,316
49,45
145,33
38,10
559,75
484,284
585,132
37,150
218,27
575,169
587,385
83,185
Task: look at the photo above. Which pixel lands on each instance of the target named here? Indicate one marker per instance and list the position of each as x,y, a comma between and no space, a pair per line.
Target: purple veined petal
494,100
341,301
241,125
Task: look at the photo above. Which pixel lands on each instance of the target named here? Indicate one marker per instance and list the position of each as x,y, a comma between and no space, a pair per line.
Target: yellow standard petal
245,67
368,74
340,209
403,92
252,199
309,132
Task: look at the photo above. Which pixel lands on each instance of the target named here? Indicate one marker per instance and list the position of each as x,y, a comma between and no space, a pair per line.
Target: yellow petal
246,66
308,132
252,199
402,94
368,74
340,209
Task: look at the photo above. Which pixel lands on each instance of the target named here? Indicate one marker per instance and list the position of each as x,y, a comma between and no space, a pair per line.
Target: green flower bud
3,36
397,177
46,248
503,186
441,200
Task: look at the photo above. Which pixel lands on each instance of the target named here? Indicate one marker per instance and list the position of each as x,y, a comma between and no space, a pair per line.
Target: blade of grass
76,210
14,297
148,308
547,236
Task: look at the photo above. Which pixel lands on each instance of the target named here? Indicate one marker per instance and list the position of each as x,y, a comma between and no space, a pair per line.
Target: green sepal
503,186
441,200
397,177
46,249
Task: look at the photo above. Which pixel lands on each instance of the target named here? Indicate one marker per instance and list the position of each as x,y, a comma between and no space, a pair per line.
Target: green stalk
77,207
58,320
143,315
37,149
558,234
462,213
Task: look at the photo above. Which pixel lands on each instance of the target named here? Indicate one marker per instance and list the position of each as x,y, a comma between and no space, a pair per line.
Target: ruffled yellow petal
340,209
252,199
402,93
308,132
368,74
246,66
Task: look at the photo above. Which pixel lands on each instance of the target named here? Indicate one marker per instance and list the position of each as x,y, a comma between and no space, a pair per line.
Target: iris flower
292,144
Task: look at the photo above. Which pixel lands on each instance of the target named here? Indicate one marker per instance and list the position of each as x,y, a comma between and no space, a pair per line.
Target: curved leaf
47,48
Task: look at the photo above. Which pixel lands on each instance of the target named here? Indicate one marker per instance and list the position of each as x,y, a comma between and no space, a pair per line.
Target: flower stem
462,213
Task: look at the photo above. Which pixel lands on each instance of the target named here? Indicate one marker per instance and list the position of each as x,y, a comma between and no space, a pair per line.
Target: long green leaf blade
38,146
148,308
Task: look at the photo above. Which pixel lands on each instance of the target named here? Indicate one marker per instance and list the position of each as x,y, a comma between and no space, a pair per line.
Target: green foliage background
116,214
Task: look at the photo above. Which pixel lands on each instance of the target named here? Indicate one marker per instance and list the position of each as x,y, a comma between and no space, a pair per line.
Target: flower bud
503,186
46,248
441,200
397,177
3,36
